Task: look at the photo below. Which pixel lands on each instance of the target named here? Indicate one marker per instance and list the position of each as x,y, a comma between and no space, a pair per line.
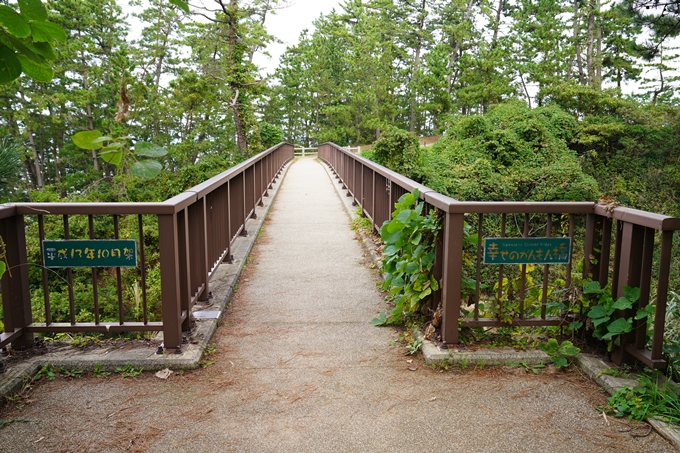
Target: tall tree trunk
456,51
232,23
577,43
598,57
90,116
37,166
416,68
590,53
497,24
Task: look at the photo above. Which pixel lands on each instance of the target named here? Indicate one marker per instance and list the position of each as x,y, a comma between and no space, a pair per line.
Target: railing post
16,299
630,263
170,278
452,268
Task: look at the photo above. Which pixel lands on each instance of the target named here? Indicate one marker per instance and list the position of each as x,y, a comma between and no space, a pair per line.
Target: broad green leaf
25,49
37,71
43,31
395,226
415,240
102,139
559,361
632,294
390,250
86,139
404,215
181,5
568,349
412,267
390,238
621,325
380,320
44,49
551,347
426,292
112,156
622,304
598,311
3,268
146,168
10,66
598,321
591,287
13,22
112,146
149,150
32,9
641,314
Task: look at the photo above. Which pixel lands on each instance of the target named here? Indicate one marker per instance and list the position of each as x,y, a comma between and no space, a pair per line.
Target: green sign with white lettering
90,253
527,250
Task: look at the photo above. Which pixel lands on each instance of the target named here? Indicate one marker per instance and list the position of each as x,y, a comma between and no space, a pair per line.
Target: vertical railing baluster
119,283
500,272
95,281
451,276
45,280
142,267
546,270
478,275
523,267
69,279
662,294
571,236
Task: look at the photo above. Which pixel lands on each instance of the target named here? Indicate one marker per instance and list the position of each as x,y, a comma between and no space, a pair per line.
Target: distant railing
302,151
641,241
195,232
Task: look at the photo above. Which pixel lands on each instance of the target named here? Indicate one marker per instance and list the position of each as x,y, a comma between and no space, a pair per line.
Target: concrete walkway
298,368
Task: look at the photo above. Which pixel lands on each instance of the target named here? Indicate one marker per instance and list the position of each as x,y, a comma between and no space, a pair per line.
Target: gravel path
298,368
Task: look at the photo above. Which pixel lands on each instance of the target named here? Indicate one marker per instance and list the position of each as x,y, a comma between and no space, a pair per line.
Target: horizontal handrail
376,189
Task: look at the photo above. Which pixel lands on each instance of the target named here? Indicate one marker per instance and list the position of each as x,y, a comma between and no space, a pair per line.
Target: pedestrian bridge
182,242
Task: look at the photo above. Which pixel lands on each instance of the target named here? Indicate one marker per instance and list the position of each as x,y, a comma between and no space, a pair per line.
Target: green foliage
649,399
511,153
4,423
115,151
560,354
46,372
397,150
270,135
26,40
408,263
207,358
414,346
98,373
70,373
607,326
128,371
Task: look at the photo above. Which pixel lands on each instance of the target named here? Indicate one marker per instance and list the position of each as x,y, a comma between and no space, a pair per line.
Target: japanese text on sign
90,253
527,250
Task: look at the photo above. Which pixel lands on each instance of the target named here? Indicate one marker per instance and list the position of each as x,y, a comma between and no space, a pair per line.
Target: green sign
527,250
90,253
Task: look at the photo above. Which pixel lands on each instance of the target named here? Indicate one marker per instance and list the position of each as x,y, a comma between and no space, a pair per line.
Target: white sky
287,24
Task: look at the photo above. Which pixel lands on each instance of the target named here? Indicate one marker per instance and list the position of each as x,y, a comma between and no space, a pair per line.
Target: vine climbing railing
195,231
615,246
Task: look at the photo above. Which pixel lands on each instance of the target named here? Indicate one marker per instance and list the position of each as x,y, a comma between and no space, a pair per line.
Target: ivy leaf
621,325
395,226
44,31
181,5
592,287
598,311
632,294
381,320
598,321
551,347
391,250
149,150
559,361
10,66
568,349
37,71
3,268
641,314
87,139
146,169
622,304
33,9
13,22
415,240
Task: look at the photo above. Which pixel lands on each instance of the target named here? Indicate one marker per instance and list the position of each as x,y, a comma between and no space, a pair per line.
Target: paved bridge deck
298,367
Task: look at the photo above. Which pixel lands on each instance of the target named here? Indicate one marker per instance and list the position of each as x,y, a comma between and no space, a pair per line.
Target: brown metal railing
195,232
637,237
